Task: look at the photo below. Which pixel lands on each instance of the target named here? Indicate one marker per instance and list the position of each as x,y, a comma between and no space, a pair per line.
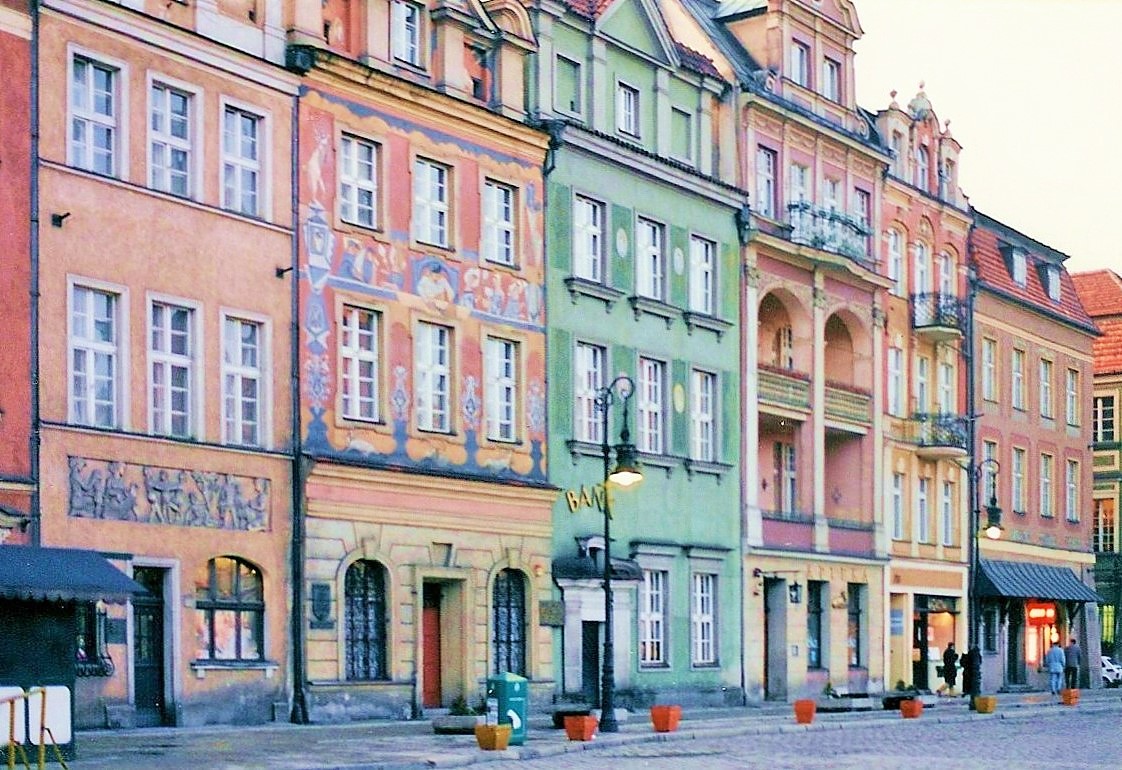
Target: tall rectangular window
241,161
896,382
923,169
1071,490
1073,415
652,406
501,389
432,377
703,275
920,385
358,363
1020,267
831,79
498,222
652,618
1017,382
923,511
1104,419
896,262
627,110
1046,507
169,140
703,408
242,381
430,202
800,63
94,108
897,506
989,369
786,464
95,376
856,612
946,389
650,268
1104,526
171,357
704,619
405,32
358,181
765,181
947,513
589,371
817,600
1018,479
922,269
588,239
1045,388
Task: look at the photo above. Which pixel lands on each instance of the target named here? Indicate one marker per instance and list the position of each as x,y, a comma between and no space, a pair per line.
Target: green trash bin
513,695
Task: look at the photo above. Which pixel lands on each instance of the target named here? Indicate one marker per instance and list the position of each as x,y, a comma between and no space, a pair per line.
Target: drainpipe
561,590
34,439
299,694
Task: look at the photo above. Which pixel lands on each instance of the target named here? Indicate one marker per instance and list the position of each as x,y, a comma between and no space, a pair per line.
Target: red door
430,647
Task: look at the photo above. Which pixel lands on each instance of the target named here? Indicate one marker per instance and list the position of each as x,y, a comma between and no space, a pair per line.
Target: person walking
1073,659
1054,662
950,669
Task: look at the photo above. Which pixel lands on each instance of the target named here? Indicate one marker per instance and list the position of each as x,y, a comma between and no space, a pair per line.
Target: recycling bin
513,694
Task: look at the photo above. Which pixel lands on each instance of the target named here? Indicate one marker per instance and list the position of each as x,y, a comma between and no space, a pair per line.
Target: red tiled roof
1100,291
590,9
994,273
1108,347
698,62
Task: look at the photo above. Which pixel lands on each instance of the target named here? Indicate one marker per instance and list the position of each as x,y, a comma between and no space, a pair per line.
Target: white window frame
767,161
921,386
897,506
798,183
81,155
800,63
703,275
703,416
159,176
1017,478
788,477
653,609
1052,281
989,369
360,344
432,219
1020,267
651,407
589,229
1072,386
627,109
1071,496
1017,378
84,411
501,388
406,32
1047,469
359,172
922,268
896,382
239,164
703,618
1046,400
831,79
896,262
948,513
650,259
923,168
500,206
1103,414
165,361
944,276
945,388
923,510
234,421
590,362
432,376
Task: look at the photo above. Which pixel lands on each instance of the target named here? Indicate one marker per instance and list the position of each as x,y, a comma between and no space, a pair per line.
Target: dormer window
831,79
1020,267
405,32
1052,282
898,153
800,64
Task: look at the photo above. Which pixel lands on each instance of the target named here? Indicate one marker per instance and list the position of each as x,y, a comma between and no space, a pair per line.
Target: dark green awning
61,574
1026,580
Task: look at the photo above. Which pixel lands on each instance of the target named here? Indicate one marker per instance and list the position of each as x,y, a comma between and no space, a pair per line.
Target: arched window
365,620
229,611
510,622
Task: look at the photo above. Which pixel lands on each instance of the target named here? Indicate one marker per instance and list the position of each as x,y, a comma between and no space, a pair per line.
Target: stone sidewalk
413,745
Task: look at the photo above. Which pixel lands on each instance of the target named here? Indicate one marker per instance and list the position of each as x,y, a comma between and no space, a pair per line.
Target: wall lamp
281,271
58,219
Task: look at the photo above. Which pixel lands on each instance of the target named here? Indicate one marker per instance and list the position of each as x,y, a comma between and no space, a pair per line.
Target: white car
1112,672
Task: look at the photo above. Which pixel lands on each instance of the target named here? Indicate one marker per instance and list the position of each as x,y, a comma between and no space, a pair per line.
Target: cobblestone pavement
1058,740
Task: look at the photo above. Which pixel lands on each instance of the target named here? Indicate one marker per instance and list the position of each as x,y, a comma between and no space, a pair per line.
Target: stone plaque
551,613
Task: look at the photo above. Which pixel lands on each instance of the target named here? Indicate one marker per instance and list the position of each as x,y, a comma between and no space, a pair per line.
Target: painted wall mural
107,489
404,282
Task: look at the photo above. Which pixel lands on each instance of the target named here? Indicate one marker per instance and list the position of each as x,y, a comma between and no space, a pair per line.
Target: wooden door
430,647
148,648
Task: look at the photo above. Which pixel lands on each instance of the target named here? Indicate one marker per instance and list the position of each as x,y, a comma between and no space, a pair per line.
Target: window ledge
703,321
707,468
666,462
579,287
583,449
200,667
655,307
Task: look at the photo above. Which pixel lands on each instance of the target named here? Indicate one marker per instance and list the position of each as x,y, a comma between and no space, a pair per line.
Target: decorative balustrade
829,230
938,311
940,434
783,387
848,403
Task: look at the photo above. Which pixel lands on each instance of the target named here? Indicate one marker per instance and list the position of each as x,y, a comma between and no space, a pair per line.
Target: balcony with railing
938,316
830,230
848,403
939,436
783,387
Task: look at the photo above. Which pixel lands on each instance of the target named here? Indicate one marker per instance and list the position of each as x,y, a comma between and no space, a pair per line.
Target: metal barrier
44,731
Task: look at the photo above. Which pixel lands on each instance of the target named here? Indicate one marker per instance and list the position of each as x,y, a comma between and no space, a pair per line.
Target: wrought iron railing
829,230
936,429
935,308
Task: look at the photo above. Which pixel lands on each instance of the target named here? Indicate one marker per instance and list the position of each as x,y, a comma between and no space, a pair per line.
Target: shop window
92,656
510,622
229,611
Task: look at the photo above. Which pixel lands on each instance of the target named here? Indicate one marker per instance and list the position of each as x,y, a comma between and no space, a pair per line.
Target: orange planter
911,709
666,718
581,728
492,737
805,709
1069,697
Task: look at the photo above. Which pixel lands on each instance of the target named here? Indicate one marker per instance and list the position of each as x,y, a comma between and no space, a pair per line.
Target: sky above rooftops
1032,90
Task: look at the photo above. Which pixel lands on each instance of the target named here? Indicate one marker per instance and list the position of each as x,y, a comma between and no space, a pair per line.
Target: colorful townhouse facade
428,507
925,224
1100,292
1033,370
643,250
163,399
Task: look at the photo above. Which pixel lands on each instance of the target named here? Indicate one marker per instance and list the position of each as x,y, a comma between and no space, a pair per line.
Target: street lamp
625,474
992,530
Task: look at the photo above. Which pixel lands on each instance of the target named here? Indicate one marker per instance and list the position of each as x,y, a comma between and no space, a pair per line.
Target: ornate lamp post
992,530
625,474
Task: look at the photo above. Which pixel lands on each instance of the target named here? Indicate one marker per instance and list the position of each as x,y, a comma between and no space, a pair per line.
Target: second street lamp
972,674
625,474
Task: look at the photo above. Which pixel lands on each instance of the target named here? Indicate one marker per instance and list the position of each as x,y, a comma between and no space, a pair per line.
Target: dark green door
148,647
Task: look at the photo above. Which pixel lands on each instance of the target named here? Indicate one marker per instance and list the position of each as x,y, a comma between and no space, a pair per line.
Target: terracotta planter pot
1069,697
911,709
665,718
581,728
492,737
805,709
985,704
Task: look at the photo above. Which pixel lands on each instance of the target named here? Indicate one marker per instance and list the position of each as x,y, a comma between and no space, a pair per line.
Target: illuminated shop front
933,628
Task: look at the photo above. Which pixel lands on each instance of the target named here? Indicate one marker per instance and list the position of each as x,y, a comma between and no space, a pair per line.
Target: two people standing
1063,665
950,669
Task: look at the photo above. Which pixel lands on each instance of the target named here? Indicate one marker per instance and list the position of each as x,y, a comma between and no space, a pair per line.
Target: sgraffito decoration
107,489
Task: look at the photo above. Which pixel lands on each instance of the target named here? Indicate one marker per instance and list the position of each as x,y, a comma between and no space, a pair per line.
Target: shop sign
585,497
1040,613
